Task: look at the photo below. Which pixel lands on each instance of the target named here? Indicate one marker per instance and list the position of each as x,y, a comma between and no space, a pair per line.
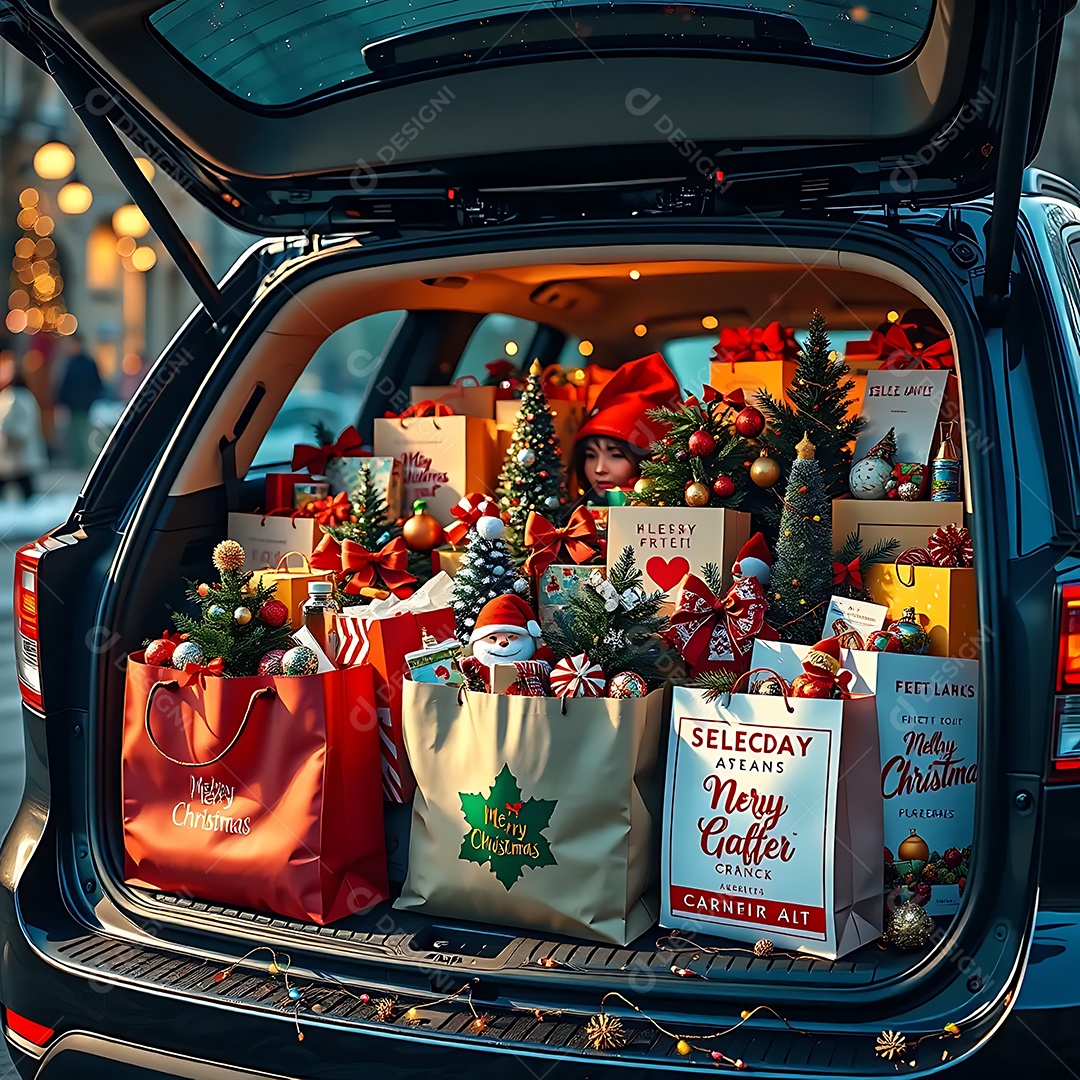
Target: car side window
495,337
333,386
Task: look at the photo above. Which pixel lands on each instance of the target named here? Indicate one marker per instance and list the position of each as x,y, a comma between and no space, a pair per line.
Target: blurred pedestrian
22,446
80,387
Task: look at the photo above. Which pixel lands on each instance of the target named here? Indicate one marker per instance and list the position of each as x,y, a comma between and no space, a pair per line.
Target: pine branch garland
716,684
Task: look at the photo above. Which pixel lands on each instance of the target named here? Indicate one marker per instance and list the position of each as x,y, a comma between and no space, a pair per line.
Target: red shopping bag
261,792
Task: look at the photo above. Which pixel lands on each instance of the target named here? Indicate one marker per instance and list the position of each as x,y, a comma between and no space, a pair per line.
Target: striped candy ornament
577,676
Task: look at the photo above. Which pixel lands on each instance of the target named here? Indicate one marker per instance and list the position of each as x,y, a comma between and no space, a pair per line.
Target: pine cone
763,947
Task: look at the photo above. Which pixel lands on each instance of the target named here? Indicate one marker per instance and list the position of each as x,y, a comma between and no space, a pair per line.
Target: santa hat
754,548
619,412
507,614
824,657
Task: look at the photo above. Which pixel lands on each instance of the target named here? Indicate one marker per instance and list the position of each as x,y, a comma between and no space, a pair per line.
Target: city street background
90,265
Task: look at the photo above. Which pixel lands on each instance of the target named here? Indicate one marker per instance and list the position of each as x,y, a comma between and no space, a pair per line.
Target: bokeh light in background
143,258
129,220
125,246
54,161
146,167
74,198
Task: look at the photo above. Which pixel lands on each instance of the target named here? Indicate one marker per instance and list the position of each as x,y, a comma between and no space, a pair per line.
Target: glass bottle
945,468
318,611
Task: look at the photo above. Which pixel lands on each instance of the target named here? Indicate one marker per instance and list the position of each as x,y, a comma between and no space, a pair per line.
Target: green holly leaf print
504,830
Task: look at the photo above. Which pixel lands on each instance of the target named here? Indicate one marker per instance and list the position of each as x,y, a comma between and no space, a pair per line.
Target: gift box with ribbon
360,572
752,358
290,577
443,455
380,635
559,560
938,580
465,396
717,633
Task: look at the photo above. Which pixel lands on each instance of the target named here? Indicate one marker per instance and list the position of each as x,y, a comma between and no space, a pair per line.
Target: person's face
607,466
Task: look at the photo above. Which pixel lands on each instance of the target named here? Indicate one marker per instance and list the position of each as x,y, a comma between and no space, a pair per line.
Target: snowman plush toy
506,632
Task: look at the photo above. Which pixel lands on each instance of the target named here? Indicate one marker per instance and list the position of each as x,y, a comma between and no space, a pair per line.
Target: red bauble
159,652
274,613
701,443
923,892
270,662
750,422
953,858
724,486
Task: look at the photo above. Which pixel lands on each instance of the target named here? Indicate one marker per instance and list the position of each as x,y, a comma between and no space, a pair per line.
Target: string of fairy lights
36,302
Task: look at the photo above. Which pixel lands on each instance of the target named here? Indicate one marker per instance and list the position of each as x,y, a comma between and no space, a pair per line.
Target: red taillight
27,624
30,1030
1068,672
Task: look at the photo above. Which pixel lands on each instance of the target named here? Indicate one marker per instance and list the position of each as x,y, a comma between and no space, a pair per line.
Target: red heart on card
442,672
667,573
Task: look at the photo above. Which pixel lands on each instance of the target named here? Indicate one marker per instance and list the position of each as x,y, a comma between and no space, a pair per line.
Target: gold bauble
913,849
697,494
242,615
908,927
642,485
422,532
764,471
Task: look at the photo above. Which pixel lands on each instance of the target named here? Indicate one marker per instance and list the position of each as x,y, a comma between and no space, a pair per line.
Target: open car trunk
585,291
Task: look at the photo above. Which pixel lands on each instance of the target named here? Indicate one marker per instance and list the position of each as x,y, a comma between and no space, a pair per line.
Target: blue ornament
215,610
294,994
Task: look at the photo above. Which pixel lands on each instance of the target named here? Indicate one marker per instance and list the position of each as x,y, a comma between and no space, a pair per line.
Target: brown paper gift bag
442,458
525,816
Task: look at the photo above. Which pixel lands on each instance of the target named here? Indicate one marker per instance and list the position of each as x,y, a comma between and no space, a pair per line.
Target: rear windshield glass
280,52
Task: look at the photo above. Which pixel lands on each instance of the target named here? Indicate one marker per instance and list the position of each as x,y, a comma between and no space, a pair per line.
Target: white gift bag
772,821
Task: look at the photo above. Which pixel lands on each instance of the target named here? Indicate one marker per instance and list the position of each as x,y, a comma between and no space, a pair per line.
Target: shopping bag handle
768,671
172,684
912,557
284,559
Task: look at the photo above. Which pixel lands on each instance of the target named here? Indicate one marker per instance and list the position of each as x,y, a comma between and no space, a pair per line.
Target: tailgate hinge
79,90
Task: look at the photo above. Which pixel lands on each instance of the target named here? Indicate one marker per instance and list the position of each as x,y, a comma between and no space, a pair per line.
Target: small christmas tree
238,621
487,570
533,477
615,622
802,572
818,402
369,508
703,460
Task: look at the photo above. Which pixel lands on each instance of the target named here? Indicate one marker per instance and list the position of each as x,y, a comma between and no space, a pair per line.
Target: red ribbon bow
501,369
577,540
316,458
738,344
215,667
900,353
421,408
852,573
365,569
707,627
468,511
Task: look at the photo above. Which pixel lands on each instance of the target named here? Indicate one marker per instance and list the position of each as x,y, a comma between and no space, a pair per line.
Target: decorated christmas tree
802,572
533,477
818,402
711,455
237,621
615,622
487,570
370,529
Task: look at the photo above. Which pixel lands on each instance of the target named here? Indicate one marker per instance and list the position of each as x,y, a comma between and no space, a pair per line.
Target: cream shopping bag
773,821
527,816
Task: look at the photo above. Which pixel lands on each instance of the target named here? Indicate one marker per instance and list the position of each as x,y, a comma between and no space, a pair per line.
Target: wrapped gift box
567,417
447,561
442,458
557,586
945,595
880,519
774,376
266,539
670,542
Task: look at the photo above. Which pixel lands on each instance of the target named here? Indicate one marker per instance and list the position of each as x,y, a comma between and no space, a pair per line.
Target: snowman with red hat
754,561
822,675
506,632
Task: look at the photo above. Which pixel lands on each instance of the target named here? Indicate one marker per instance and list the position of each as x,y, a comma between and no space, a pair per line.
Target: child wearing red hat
617,434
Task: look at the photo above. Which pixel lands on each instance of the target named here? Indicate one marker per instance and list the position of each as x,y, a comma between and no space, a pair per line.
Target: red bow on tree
365,569
215,667
772,342
316,458
468,511
713,632
501,369
421,408
850,574
577,542
900,353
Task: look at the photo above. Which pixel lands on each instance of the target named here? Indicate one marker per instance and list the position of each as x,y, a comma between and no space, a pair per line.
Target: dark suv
595,180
